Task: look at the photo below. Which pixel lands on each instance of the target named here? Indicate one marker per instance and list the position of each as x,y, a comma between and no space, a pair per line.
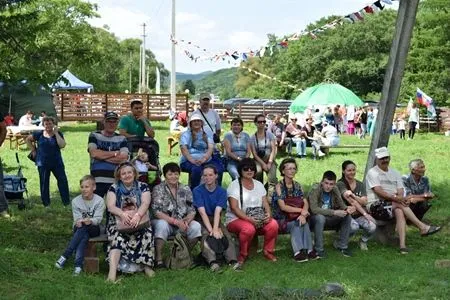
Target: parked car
231,103
278,102
257,101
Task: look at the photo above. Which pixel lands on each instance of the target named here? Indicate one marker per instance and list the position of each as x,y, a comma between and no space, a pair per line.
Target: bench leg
91,261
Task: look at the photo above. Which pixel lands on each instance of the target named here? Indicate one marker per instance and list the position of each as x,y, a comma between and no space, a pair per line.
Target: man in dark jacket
328,211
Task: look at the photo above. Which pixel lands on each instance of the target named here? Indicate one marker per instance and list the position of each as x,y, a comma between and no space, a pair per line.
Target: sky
215,25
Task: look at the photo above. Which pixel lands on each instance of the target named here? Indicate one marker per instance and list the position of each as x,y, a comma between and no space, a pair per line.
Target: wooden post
406,18
106,102
62,106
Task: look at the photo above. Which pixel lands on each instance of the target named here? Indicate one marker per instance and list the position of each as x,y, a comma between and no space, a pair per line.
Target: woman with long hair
354,193
264,148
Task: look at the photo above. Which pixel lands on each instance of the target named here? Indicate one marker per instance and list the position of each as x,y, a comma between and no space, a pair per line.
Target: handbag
293,201
381,210
130,208
257,213
126,228
31,157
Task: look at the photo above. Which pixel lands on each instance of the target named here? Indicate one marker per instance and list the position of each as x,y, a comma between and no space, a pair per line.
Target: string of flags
235,55
293,86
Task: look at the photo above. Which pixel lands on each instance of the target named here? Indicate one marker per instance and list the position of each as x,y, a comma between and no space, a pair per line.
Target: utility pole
406,17
130,72
173,76
142,83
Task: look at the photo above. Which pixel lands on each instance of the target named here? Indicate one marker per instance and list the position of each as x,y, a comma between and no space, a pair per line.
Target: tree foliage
39,39
356,55
188,85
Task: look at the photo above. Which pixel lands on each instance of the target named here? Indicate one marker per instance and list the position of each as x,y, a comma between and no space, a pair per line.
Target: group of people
140,220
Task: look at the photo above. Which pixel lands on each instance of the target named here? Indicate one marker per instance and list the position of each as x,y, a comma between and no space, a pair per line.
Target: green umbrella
324,94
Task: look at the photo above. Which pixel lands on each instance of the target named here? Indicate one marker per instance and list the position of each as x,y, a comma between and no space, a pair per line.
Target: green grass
32,240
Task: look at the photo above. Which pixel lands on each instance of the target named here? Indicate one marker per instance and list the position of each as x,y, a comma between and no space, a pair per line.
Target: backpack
180,256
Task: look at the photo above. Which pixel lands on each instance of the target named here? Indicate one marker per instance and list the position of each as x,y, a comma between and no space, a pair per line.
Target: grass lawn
32,240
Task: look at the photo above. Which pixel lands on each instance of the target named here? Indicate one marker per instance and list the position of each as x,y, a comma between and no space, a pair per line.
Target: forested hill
219,83
193,77
354,55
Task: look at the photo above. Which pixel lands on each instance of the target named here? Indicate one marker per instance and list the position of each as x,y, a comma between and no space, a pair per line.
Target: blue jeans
61,178
300,145
232,169
321,222
3,202
300,236
78,243
195,172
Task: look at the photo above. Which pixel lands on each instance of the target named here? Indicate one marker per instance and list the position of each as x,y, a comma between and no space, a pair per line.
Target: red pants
246,231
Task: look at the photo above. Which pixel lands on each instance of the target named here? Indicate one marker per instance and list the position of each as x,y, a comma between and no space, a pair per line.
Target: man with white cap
384,188
211,119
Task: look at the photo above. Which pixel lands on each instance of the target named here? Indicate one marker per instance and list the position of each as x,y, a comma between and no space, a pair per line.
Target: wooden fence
91,107
247,112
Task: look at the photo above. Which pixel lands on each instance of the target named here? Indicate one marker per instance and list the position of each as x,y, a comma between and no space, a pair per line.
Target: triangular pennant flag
244,57
387,2
359,16
353,17
348,19
378,4
263,51
368,10
258,53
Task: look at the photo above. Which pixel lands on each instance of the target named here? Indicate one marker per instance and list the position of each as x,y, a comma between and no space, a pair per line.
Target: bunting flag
283,44
292,86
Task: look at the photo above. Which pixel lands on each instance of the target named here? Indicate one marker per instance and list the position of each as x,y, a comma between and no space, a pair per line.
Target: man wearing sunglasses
107,149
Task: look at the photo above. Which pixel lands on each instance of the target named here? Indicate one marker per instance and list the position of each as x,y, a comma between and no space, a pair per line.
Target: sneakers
4,214
363,246
321,154
404,250
214,267
313,255
321,254
269,256
60,262
237,266
77,271
346,252
301,256
160,265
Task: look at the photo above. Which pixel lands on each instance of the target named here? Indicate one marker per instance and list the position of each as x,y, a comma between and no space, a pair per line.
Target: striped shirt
102,170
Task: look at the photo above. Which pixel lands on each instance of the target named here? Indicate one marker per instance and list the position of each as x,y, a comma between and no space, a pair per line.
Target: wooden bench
326,149
172,142
16,140
91,260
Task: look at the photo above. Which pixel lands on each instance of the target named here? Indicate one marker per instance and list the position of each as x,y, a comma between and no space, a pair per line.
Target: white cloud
185,17
242,40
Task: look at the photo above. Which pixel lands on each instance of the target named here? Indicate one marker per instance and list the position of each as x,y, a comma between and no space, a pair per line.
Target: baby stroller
151,147
15,186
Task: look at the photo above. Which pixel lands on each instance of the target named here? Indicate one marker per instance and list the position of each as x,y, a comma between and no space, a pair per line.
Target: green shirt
133,126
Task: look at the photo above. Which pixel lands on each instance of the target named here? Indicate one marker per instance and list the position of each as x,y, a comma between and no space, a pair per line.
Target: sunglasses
261,122
247,169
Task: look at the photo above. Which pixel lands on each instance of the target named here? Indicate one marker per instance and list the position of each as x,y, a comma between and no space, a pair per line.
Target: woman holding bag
130,234
248,212
291,211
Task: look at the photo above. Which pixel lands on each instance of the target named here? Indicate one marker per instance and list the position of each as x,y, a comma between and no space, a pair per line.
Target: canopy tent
73,83
324,94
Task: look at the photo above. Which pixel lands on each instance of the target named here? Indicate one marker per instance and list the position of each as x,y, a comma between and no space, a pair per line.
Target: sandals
432,230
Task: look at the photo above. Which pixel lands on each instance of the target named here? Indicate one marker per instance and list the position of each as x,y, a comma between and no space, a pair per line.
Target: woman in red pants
248,212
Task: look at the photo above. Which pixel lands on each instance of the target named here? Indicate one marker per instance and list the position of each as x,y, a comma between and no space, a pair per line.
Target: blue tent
73,83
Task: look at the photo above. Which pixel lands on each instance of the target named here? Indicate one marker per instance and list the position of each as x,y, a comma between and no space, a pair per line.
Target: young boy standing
87,209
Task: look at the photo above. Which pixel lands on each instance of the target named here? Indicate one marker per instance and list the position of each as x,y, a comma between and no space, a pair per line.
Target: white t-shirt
25,121
414,115
389,181
252,198
213,119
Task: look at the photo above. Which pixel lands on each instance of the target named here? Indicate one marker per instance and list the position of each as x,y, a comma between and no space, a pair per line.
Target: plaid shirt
162,201
414,188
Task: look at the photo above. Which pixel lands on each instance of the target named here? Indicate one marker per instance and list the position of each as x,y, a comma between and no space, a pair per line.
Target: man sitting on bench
328,211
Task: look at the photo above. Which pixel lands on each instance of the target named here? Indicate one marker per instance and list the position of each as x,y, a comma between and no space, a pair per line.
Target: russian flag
423,98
